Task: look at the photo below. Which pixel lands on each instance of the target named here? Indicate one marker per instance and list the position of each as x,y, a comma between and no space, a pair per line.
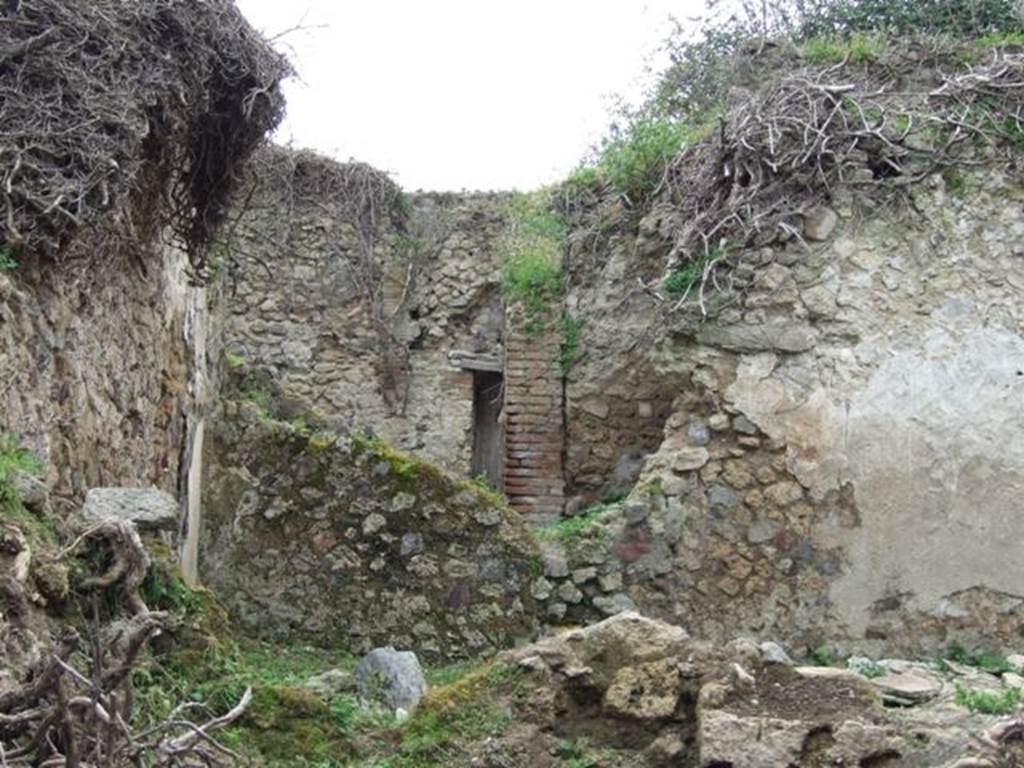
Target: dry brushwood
62,716
795,144
136,114
1001,746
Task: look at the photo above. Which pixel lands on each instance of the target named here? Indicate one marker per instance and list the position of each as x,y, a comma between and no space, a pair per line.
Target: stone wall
96,363
843,461
352,544
299,305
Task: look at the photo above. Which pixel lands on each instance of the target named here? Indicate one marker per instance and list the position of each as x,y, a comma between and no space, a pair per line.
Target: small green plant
583,183
233,361
408,246
684,279
988,662
988,702
14,459
7,261
872,670
574,753
823,657
956,182
655,488
570,532
261,399
571,328
634,157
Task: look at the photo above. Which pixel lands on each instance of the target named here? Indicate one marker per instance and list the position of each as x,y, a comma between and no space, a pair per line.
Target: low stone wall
349,543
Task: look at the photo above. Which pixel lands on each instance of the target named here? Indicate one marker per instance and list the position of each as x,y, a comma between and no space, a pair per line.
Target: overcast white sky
462,94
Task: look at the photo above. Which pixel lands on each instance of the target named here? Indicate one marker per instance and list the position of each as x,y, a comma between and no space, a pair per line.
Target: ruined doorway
488,430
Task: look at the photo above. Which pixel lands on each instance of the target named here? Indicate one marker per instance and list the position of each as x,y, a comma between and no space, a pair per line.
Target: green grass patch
571,532
1005,39
455,716
681,282
988,702
15,459
989,662
856,49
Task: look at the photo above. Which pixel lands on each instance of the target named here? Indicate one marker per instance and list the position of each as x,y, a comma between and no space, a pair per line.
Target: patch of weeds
988,702
7,261
872,670
583,183
655,488
956,182
14,459
989,662
823,657
261,399
570,532
1006,39
455,716
439,677
857,49
408,246
532,245
683,280
634,157
571,328
574,753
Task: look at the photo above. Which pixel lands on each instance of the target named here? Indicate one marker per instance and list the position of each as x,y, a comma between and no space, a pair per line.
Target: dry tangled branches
135,112
786,149
64,717
1002,746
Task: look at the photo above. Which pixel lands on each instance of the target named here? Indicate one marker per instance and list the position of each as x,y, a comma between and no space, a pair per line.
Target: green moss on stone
286,725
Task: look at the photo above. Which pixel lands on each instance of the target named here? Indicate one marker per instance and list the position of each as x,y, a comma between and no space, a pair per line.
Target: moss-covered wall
347,542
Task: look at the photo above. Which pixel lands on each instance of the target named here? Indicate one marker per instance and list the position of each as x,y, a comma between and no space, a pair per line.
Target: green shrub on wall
532,244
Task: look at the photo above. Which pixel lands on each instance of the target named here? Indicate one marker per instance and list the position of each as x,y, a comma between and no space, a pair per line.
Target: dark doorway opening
488,431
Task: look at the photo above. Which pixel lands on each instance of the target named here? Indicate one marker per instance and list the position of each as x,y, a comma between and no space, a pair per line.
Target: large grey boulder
391,678
149,508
